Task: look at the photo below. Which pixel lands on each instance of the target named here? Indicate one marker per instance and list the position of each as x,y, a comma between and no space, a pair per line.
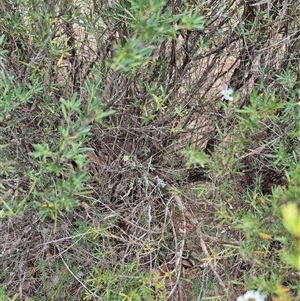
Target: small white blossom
227,94
161,183
251,296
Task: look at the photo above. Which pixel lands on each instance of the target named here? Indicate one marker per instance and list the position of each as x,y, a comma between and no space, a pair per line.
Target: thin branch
195,223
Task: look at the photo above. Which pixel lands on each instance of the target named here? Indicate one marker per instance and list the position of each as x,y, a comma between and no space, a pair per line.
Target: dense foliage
149,150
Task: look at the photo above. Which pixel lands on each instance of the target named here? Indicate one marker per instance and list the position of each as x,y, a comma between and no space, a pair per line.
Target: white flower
251,296
227,93
161,183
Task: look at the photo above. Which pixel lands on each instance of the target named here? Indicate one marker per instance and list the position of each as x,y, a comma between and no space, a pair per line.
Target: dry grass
127,218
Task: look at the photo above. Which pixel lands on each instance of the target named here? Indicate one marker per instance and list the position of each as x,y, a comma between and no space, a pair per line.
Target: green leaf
196,157
291,218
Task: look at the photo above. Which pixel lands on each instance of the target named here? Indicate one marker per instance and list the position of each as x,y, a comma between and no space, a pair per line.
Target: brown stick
195,223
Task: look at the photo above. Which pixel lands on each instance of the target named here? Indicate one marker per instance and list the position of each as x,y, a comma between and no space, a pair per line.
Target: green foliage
196,157
103,103
291,216
262,109
269,222
4,297
118,285
151,24
14,95
57,161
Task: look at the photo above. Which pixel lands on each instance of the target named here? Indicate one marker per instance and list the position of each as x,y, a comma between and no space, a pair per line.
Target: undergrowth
149,150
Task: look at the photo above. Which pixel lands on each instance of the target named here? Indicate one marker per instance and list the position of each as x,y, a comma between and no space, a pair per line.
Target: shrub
149,150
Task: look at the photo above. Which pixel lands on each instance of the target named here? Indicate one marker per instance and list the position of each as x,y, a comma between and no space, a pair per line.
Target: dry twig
195,223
